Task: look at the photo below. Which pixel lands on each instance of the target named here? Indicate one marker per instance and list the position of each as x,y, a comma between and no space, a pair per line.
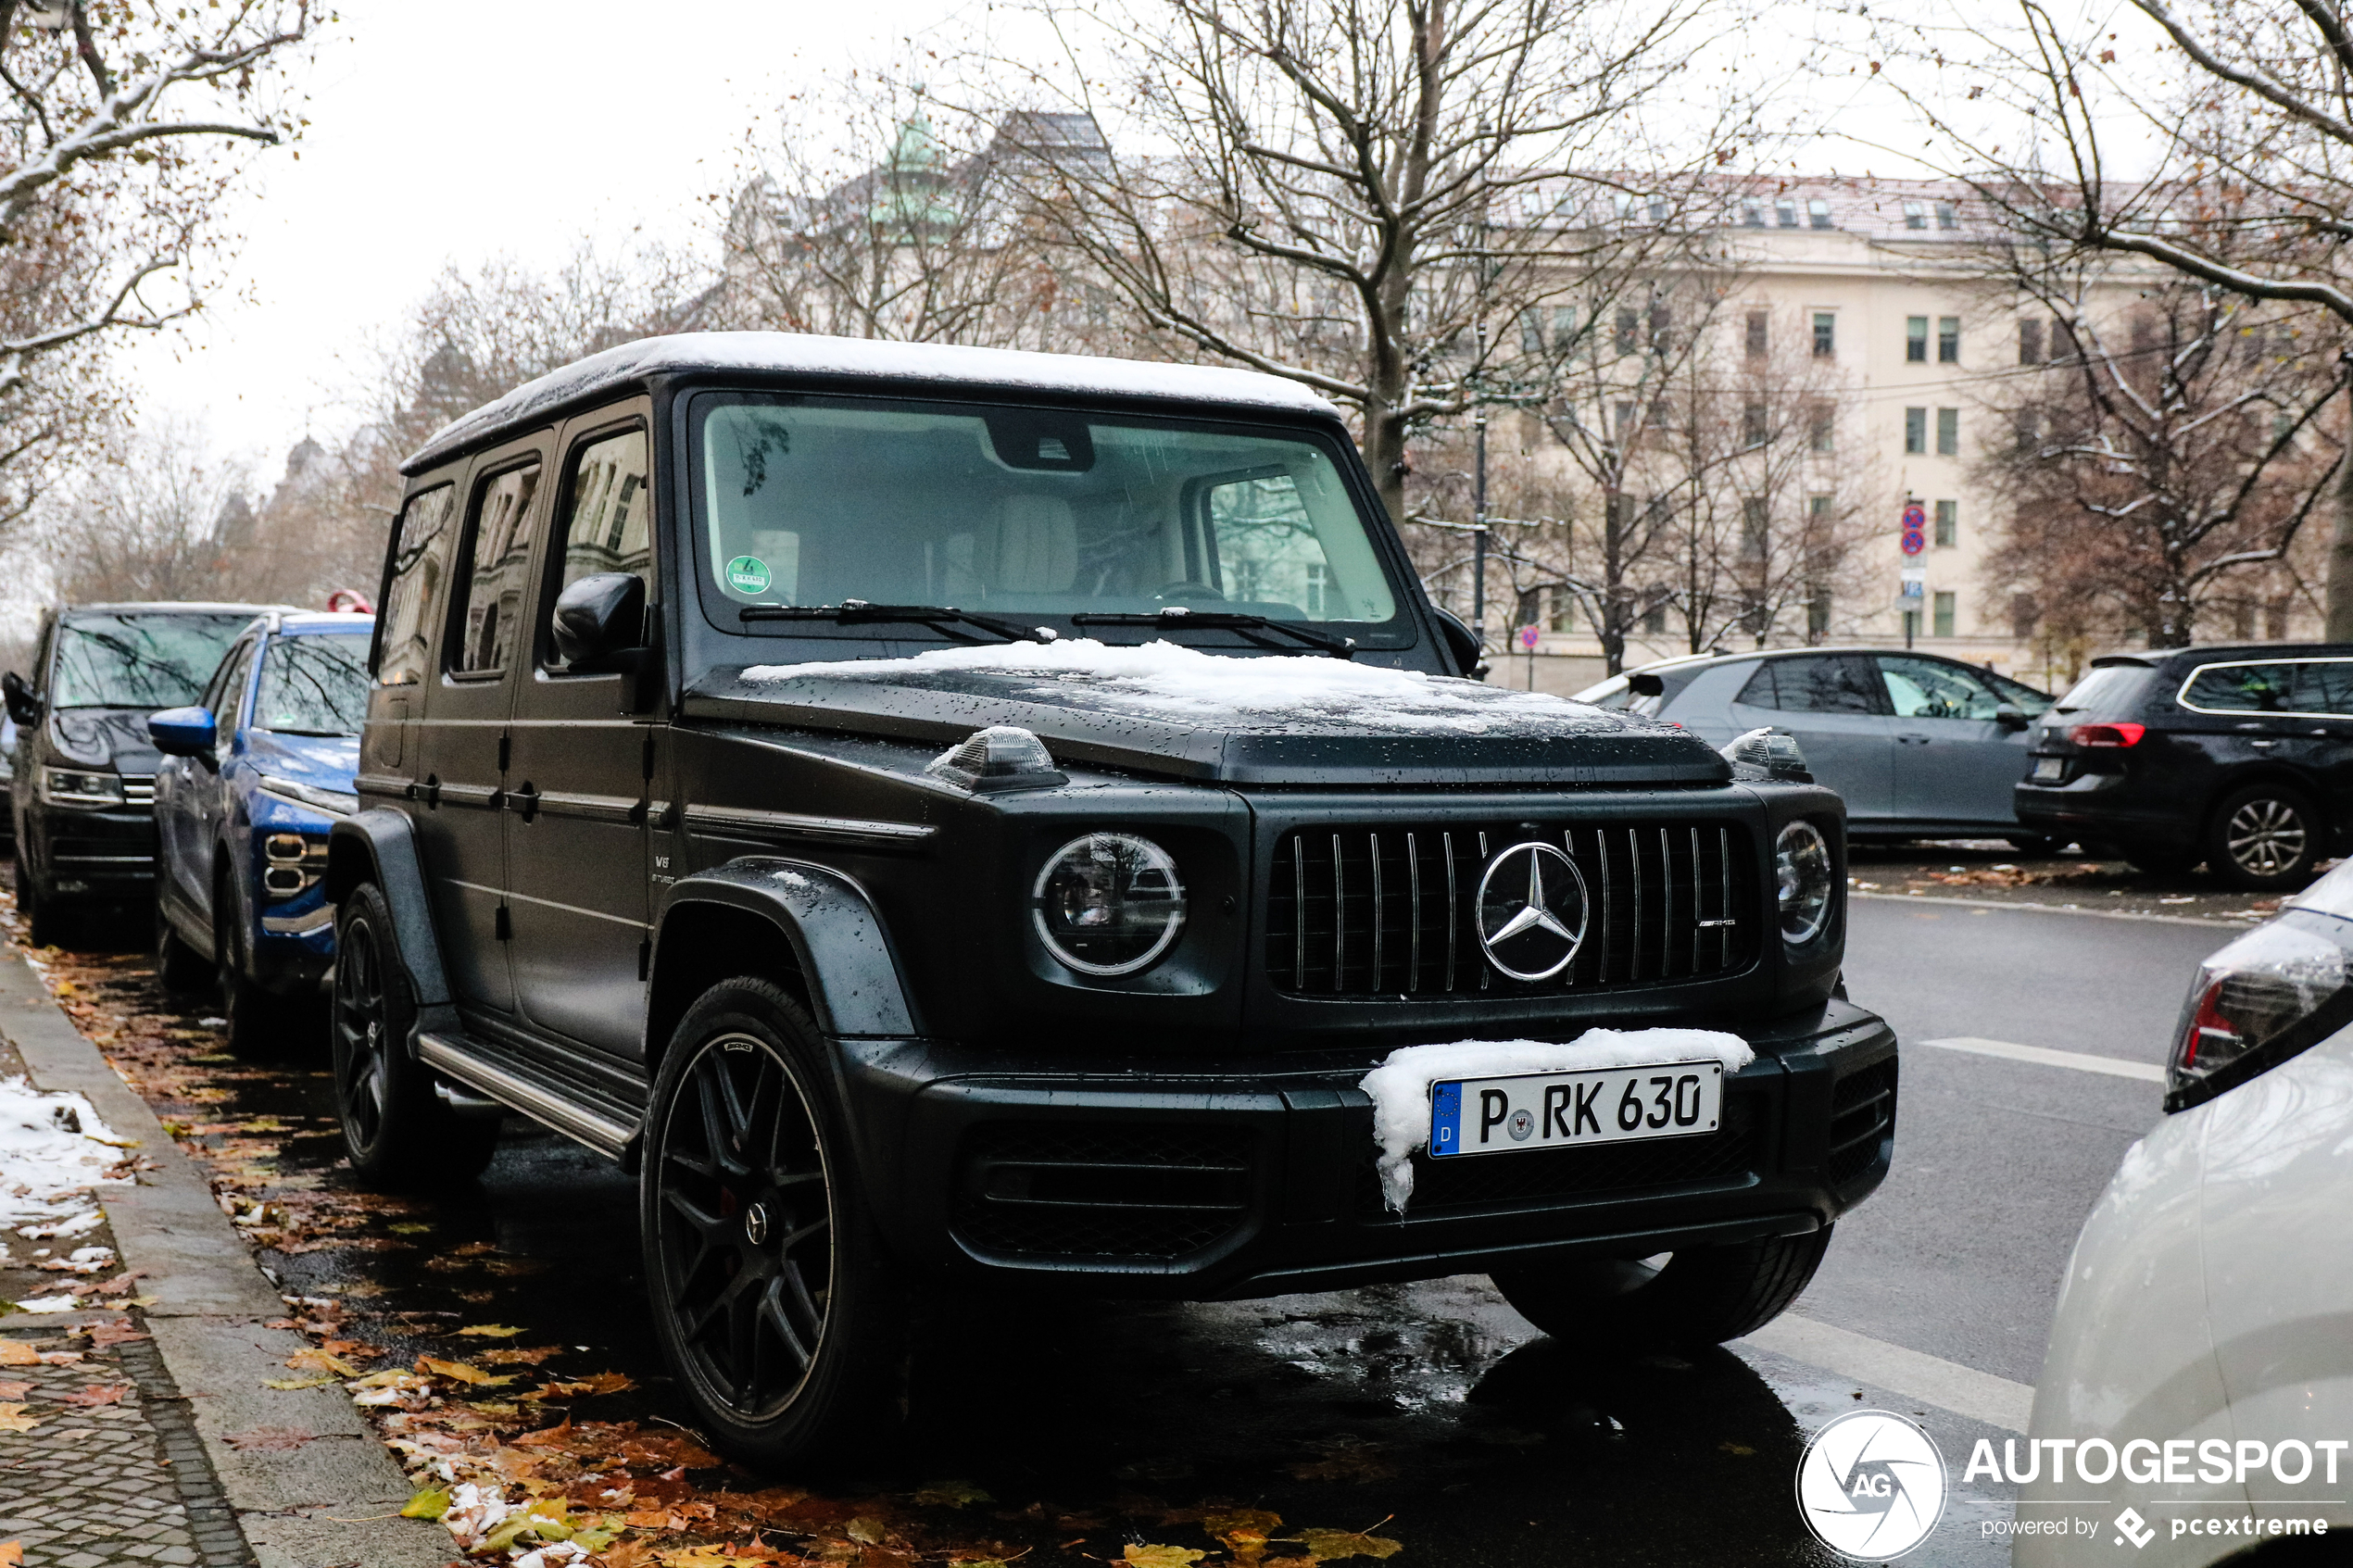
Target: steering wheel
1190,590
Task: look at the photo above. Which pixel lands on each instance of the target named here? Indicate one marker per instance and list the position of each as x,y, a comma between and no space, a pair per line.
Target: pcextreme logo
1871,1486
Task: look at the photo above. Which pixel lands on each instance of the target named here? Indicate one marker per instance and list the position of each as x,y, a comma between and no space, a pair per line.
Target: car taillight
2108,734
2273,993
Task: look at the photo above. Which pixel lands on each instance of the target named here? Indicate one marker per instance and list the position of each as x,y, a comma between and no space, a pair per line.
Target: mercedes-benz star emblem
1531,911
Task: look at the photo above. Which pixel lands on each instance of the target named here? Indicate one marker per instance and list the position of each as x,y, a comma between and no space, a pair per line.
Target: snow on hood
53,1150
1163,680
1400,1086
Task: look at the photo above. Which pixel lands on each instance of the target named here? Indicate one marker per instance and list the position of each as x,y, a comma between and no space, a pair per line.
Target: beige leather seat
1036,547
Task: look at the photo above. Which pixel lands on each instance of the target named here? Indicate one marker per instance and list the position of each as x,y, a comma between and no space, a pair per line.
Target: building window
1940,625
1563,327
1754,425
1758,323
2030,339
1916,215
1785,212
1752,528
2022,616
1752,214
1817,213
1948,523
2026,427
1916,340
1629,330
1659,209
1564,609
1948,433
1531,331
1817,615
1655,617
1949,340
1825,334
1821,428
1945,217
1915,432
1624,412
1662,327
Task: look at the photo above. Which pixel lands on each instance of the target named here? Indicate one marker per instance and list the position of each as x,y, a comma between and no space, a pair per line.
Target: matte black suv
2240,756
84,787
1046,939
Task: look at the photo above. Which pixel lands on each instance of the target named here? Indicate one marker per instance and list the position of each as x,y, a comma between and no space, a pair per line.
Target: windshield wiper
1178,617
854,612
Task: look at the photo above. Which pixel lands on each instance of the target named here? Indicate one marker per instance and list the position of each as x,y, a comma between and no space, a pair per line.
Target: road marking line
2041,1056
1979,1395
2242,924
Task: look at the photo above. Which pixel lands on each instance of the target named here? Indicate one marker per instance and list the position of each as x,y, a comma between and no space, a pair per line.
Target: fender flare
380,845
856,984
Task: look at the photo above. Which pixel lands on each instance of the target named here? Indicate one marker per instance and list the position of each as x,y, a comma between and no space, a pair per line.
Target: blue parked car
252,779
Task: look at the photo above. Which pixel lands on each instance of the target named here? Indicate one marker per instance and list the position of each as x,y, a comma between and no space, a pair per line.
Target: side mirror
598,617
1646,683
181,732
1461,641
23,706
1767,754
2009,717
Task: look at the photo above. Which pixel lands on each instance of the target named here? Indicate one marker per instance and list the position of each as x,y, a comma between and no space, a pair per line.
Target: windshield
1025,512
151,662
2113,689
315,684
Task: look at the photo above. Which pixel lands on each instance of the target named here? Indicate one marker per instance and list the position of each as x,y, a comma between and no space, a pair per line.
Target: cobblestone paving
109,1485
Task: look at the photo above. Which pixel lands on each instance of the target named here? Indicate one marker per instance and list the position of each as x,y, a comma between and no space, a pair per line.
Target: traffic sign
1915,514
1915,535
1529,636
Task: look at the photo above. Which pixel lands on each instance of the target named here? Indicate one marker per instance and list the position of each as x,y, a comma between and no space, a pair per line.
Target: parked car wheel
395,1129
180,967
772,1299
2264,837
258,1021
1699,1296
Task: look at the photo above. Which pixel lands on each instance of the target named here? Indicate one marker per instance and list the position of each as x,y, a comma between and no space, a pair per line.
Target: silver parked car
1921,747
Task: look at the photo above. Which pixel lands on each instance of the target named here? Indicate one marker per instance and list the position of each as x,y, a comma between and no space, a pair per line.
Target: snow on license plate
1554,1110
2049,769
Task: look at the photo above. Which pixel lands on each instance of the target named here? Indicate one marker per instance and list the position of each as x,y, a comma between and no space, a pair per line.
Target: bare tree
1322,191
2170,452
118,115
161,518
2251,181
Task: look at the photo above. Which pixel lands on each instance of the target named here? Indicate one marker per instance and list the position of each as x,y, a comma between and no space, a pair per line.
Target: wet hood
96,736
1162,708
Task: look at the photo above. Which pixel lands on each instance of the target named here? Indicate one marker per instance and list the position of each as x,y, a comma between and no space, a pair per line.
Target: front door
577,779
461,762
1955,762
1834,705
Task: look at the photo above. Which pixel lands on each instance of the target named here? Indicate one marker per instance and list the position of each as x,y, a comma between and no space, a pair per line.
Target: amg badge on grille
1531,911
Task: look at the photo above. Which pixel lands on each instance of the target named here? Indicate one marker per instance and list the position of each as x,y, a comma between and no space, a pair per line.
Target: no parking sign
1914,528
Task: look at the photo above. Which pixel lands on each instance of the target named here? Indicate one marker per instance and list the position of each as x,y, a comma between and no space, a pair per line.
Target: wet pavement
1428,1415
1990,870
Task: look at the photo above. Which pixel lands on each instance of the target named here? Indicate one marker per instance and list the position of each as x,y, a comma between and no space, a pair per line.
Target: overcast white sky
459,129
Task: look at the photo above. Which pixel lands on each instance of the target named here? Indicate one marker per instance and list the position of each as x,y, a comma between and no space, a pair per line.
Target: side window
501,559
412,581
1759,692
1929,688
2242,688
232,677
224,680
2325,686
1824,683
608,516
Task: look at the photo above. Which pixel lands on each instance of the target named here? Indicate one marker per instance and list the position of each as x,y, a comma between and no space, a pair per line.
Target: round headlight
1109,903
1803,880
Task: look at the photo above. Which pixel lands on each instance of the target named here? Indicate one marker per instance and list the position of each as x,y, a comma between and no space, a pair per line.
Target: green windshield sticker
748,574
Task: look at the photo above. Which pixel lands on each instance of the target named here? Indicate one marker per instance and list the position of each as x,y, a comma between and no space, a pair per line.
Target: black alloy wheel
1697,1296
395,1129
773,1302
2265,838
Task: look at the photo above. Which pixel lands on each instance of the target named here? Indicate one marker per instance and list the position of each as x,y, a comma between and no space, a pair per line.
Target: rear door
1953,762
2324,698
1836,706
462,744
577,781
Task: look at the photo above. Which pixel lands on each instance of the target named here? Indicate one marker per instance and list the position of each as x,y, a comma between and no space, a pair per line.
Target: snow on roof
805,353
1401,1085
1165,680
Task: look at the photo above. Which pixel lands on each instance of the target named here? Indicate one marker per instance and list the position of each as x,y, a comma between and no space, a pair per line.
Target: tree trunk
2340,584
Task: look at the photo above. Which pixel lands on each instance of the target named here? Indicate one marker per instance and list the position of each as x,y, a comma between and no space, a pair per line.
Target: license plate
1557,1110
2049,769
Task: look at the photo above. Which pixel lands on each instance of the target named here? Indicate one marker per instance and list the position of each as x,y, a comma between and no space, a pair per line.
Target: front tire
44,922
2264,838
773,1302
397,1132
1700,1295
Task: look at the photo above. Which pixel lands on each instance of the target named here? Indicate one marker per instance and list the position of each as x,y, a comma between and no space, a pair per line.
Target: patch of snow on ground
1400,1086
1185,683
53,1150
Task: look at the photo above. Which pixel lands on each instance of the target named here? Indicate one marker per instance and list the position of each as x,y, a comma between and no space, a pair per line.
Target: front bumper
95,854
1223,1178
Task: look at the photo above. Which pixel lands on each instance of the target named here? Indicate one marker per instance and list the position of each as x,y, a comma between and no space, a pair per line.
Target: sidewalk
168,1446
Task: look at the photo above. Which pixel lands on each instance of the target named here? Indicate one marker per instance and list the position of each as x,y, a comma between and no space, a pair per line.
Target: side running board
514,1084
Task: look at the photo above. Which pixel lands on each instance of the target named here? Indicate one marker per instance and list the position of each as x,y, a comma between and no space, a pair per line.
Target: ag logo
1871,1486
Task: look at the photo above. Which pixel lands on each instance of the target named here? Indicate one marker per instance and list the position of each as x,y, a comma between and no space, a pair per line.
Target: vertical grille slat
1359,911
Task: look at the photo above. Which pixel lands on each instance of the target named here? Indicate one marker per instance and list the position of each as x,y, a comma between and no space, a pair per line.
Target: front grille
1475,1181
1108,1190
1862,1112
1355,911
